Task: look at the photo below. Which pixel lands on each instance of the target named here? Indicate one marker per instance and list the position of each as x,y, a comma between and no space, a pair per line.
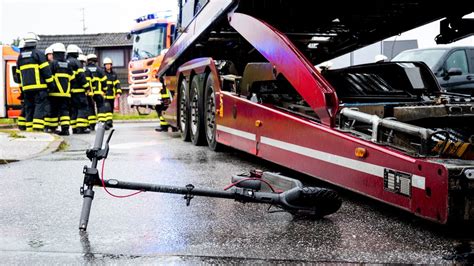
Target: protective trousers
22,117
35,109
101,108
79,110
91,115
110,111
59,113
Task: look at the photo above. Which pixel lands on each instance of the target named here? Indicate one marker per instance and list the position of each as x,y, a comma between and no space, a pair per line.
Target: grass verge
14,134
63,146
153,115
8,121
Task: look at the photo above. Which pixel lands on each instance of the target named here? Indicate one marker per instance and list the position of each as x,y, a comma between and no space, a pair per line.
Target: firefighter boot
64,131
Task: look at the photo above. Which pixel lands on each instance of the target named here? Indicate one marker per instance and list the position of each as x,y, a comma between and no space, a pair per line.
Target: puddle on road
463,253
133,145
35,243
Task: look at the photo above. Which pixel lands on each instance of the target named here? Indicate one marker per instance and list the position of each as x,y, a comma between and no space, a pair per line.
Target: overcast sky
64,16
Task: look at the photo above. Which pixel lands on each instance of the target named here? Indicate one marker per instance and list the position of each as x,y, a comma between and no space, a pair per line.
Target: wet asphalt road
40,207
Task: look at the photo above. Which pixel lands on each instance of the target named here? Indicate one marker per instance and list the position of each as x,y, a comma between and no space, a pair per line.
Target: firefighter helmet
31,37
82,58
73,49
91,57
107,60
49,50
21,44
58,47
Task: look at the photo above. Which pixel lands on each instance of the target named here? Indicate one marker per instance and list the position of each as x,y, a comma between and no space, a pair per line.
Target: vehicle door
13,92
463,80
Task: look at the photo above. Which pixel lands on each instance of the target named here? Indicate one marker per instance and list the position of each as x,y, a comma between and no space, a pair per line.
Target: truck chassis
384,131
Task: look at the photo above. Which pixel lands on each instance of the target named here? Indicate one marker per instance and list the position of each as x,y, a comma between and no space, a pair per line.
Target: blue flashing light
161,14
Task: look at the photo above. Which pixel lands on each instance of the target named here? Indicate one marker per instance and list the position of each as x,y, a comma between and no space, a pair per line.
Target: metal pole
88,192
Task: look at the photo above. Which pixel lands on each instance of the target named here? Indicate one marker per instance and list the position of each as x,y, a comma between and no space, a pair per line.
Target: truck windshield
428,56
148,43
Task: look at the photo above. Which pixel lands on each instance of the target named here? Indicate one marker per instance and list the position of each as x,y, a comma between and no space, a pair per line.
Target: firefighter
60,97
48,52
165,101
83,60
36,80
98,81
91,115
79,85
17,79
113,89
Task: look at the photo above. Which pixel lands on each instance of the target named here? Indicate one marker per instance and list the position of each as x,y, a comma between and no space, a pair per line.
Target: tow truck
246,78
152,35
10,105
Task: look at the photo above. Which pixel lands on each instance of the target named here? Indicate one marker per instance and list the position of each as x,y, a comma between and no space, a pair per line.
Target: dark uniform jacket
63,75
34,70
113,85
97,79
79,84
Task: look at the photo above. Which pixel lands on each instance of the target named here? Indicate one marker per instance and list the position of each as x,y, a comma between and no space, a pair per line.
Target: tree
16,42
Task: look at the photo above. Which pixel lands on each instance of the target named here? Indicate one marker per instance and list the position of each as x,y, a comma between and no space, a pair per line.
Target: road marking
368,168
236,132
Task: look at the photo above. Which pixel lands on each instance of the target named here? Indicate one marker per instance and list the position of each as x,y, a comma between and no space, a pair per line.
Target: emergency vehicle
10,105
152,35
246,79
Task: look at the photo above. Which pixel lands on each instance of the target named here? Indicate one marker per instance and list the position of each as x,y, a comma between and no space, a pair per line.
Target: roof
87,42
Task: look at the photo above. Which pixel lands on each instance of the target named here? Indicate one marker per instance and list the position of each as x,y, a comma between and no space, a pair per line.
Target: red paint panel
290,129
279,51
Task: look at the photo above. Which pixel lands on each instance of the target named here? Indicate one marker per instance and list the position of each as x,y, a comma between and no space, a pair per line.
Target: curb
7,126
52,147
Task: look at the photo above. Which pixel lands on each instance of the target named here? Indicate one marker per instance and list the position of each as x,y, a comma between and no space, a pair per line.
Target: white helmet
107,60
72,48
58,47
91,57
21,44
380,58
31,37
82,58
49,50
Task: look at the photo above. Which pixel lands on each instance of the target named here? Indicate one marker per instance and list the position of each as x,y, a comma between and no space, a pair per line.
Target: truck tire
196,112
184,110
210,115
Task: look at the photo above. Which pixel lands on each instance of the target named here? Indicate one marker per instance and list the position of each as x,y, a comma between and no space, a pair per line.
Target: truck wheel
196,112
210,115
184,111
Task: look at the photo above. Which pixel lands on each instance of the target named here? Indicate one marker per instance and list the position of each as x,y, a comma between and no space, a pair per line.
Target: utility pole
83,21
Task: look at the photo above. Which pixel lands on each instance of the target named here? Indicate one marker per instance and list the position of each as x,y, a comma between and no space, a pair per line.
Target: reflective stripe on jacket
34,70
